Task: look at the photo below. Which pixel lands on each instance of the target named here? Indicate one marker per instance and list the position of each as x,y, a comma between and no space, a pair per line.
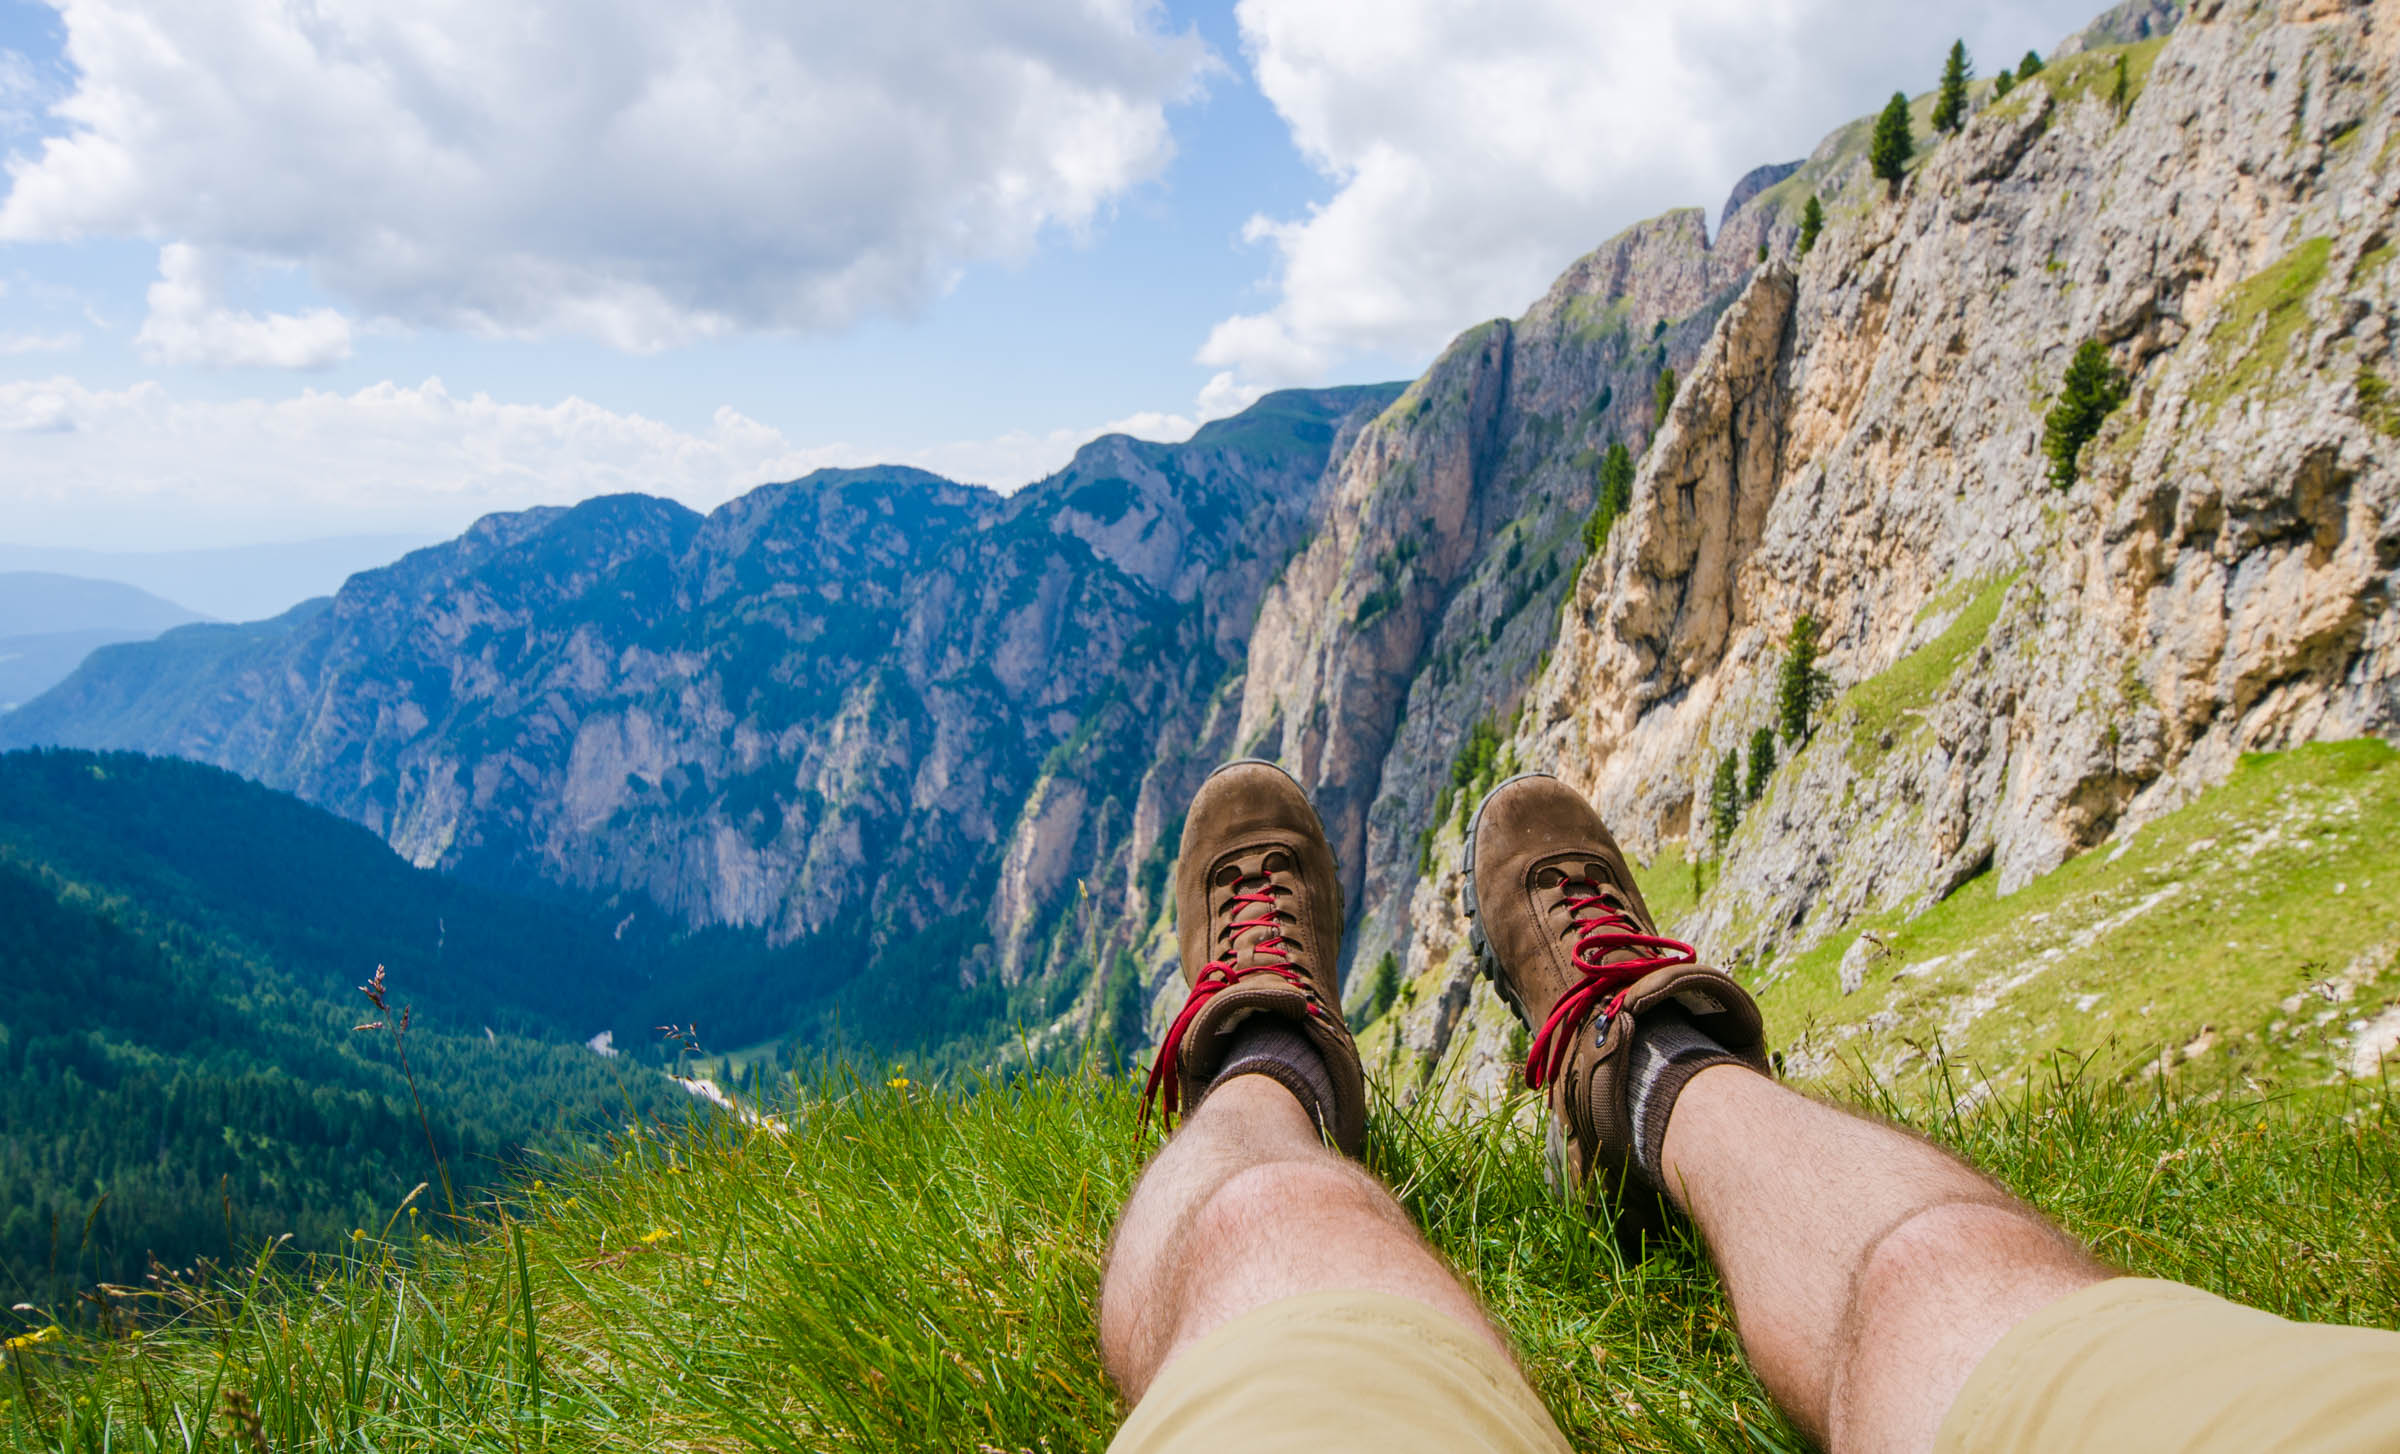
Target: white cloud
640,174
21,91
16,343
1477,148
188,325
1224,394
140,468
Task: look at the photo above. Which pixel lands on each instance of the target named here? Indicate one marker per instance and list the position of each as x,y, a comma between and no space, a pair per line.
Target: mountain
2021,665
898,721
49,623
39,603
909,732
180,1074
904,727
231,583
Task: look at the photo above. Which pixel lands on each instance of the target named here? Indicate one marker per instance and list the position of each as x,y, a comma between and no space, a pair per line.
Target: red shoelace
1165,1086
1603,928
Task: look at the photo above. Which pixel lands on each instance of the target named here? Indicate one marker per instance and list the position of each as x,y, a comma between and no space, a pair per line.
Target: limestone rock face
1451,537
2018,671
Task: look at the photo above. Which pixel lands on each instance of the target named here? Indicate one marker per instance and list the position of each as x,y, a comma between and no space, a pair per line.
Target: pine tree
1616,494
1800,685
1119,1017
2122,97
2003,83
1665,393
1950,110
2092,390
1812,222
1893,144
1762,764
1725,799
1383,989
2029,67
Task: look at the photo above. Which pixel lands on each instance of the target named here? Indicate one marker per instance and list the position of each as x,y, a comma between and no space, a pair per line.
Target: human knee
1277,1197
1953,1247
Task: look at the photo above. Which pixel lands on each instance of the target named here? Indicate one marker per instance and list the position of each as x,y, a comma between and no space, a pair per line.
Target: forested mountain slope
180,1071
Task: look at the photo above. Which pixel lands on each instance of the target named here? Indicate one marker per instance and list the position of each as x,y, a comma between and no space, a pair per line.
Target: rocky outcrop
1453,532
2019,671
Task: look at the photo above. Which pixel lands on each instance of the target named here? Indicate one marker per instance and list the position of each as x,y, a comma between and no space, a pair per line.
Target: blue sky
692,248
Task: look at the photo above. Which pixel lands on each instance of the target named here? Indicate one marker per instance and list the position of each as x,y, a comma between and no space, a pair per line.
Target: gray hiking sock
1274,1047
1668,1050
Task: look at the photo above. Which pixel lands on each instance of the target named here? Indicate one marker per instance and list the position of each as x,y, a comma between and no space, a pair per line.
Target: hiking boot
1258,917
1561,931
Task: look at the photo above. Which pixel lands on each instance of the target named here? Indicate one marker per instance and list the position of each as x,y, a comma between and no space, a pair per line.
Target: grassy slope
903,1270
2253,929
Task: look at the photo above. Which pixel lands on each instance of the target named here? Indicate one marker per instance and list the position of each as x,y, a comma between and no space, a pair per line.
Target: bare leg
1244,1207
1869,1270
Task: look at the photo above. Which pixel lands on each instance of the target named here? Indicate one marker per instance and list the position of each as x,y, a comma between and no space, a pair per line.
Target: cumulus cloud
1476,148
640,174
188,325
141,468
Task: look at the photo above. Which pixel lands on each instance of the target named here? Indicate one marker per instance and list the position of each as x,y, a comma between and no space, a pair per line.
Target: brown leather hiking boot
1562,932
1258,916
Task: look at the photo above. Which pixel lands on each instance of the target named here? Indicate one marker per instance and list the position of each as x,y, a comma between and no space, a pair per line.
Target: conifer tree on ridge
1950,111
1888,154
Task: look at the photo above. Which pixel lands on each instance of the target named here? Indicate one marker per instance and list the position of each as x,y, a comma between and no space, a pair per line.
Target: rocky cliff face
853,712
2019,671
1454,530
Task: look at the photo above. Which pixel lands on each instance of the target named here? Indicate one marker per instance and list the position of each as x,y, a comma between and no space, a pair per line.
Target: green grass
2376,405
1590,319
2247,932
913,1270
2258,323
2371,259
1891,700
1666,883
2090,73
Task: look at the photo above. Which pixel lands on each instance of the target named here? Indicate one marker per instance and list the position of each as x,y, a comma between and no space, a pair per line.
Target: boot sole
1487,963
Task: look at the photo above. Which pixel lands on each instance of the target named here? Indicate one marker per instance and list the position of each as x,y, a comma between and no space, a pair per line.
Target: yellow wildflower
37,1336
655,1236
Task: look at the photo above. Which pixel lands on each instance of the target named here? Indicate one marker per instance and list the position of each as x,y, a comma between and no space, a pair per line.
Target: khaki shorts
2136,1364
2127,1364
1329,1371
